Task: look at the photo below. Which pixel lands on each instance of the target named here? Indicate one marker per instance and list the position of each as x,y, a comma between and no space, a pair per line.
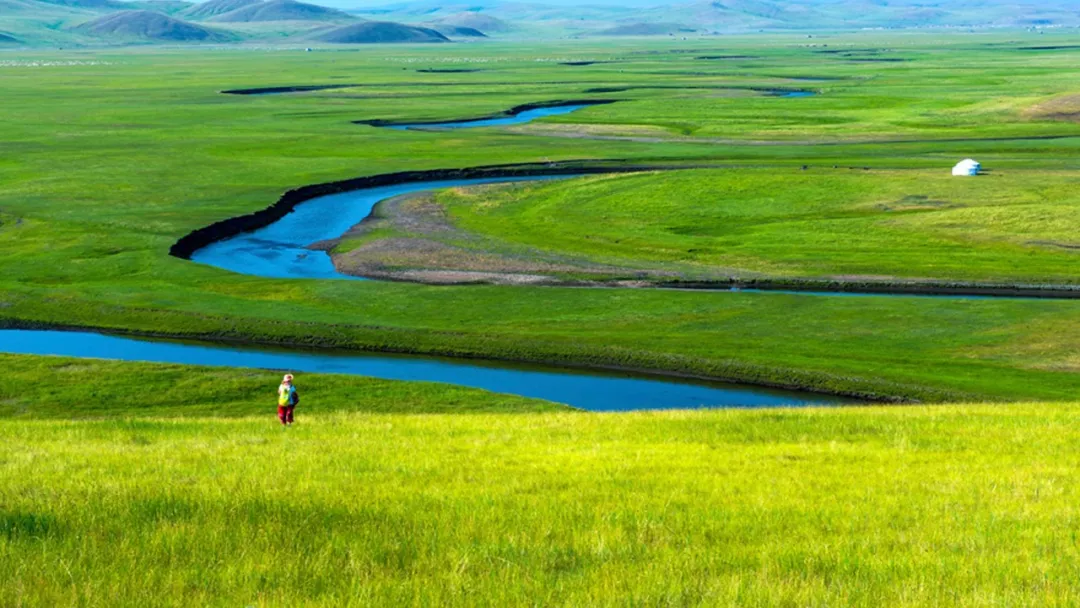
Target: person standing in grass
287,400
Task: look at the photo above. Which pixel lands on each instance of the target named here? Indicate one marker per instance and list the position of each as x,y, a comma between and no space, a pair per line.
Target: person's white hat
287,378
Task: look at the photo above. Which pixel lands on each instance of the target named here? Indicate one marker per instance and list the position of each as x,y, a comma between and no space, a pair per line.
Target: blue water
596,391
280,249
516,119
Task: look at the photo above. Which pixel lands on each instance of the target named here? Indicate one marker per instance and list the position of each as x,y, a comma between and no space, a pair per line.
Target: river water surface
588,390
501,121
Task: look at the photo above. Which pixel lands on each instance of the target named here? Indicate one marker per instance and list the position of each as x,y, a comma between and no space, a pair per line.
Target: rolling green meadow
136,484
473,499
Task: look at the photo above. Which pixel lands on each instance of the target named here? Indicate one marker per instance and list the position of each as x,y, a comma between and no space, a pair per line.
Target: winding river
280,250
517,118
587,390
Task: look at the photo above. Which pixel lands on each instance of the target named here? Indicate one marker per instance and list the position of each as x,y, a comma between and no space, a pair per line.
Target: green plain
111,156
126,484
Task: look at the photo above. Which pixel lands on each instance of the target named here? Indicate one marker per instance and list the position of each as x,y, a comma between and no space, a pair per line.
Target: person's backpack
294,397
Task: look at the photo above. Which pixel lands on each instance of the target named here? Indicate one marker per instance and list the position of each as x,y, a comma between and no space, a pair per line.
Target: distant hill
380,31
730,15
213,8
148,25
455,31
50,22
109,5
476,21
281,10
169,7
644,29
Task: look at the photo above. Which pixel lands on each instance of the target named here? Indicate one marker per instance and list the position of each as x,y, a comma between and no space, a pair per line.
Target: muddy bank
514,111
426,247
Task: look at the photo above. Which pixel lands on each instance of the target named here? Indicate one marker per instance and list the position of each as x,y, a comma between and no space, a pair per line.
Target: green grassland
1009,227
125,484
946,505
65,388
111,156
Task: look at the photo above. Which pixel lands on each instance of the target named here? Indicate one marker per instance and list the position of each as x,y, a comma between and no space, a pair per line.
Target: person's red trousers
284,413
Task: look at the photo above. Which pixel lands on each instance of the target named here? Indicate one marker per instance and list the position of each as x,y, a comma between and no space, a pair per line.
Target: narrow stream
513,119
587,390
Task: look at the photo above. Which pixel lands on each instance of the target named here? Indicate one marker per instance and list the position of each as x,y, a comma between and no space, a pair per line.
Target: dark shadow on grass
20,525
289,89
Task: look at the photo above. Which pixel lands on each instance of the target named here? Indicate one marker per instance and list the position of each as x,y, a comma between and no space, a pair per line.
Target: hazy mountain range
47,22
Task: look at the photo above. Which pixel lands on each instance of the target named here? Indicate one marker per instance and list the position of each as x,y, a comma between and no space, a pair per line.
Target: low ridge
370,32
148,25
213,8
457,31
645,29
282,10
169,7
476,21
99,5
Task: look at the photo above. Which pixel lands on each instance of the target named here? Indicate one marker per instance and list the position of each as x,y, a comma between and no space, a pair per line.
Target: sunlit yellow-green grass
1013,227
951,505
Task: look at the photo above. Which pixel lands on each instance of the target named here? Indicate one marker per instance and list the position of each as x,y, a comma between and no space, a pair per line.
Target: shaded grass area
67,388
863,507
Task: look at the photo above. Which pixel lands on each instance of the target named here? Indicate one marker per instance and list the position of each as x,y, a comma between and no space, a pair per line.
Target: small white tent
967,167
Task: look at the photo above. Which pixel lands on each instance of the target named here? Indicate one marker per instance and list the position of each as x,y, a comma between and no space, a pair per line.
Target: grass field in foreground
950,505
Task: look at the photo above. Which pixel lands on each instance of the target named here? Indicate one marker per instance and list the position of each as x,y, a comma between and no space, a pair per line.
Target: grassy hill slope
379,31
281,10
151,26
212,8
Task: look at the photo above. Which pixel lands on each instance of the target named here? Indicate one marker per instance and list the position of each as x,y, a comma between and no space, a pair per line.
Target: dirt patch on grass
1064,108
916,202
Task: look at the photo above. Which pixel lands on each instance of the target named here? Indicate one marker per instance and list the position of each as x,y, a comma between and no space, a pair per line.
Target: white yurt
967,167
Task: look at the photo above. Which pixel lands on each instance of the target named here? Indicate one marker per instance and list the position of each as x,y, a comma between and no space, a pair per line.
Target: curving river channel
587,390
515,118
280,250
